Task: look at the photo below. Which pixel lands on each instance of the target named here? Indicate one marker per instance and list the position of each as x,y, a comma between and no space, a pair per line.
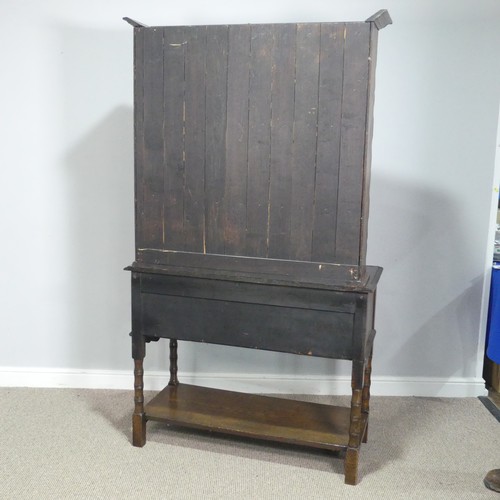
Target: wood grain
215,136
260,146
194,139
138,136
152,164
173,132
235,199
352,144
282,107
305,123
263,417
328,143
259,140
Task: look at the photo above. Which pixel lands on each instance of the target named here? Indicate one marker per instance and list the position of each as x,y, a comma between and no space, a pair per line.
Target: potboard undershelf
277,419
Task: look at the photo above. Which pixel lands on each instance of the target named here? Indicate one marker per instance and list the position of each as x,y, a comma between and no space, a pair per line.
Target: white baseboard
258,383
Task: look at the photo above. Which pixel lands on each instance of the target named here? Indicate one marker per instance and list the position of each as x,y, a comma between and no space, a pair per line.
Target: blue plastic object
493,328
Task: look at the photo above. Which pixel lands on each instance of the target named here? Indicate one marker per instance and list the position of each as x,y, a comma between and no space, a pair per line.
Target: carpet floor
75,444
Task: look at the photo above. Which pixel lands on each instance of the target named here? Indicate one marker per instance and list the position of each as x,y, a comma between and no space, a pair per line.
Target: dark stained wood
152,175
269,271
194,139
263,417
355,432
293,330
135,24
360,342
235,198
282,108
139,417
305,124
174,44
215,136
251,293
352,145
380,19
365,200
138,353
173,362
328,142
365,404
138,340
265,143
138,135
252,172
259,140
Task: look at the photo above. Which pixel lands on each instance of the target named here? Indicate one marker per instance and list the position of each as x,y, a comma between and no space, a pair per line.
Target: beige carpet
75,444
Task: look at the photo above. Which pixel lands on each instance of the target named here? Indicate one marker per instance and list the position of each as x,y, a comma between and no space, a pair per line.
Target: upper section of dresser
253,141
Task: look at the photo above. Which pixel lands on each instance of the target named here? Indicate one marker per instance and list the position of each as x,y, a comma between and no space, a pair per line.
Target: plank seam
340,143
270,146
316,148
164,153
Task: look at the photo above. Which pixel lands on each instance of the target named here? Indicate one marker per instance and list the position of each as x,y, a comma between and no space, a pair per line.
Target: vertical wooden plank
328,152
153,139
352,144
173,130
215,131
282,106
304,140
194,140
365,203
138,135
259,140
236,140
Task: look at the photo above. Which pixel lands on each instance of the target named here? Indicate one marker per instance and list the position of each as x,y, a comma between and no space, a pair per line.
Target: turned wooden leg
173,363
365,405
352,453
365,435
139,417
351,466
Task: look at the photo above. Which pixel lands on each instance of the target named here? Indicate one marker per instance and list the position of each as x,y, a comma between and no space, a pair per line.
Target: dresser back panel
252,140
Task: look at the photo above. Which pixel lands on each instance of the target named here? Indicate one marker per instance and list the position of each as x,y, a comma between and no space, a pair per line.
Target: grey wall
67,170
